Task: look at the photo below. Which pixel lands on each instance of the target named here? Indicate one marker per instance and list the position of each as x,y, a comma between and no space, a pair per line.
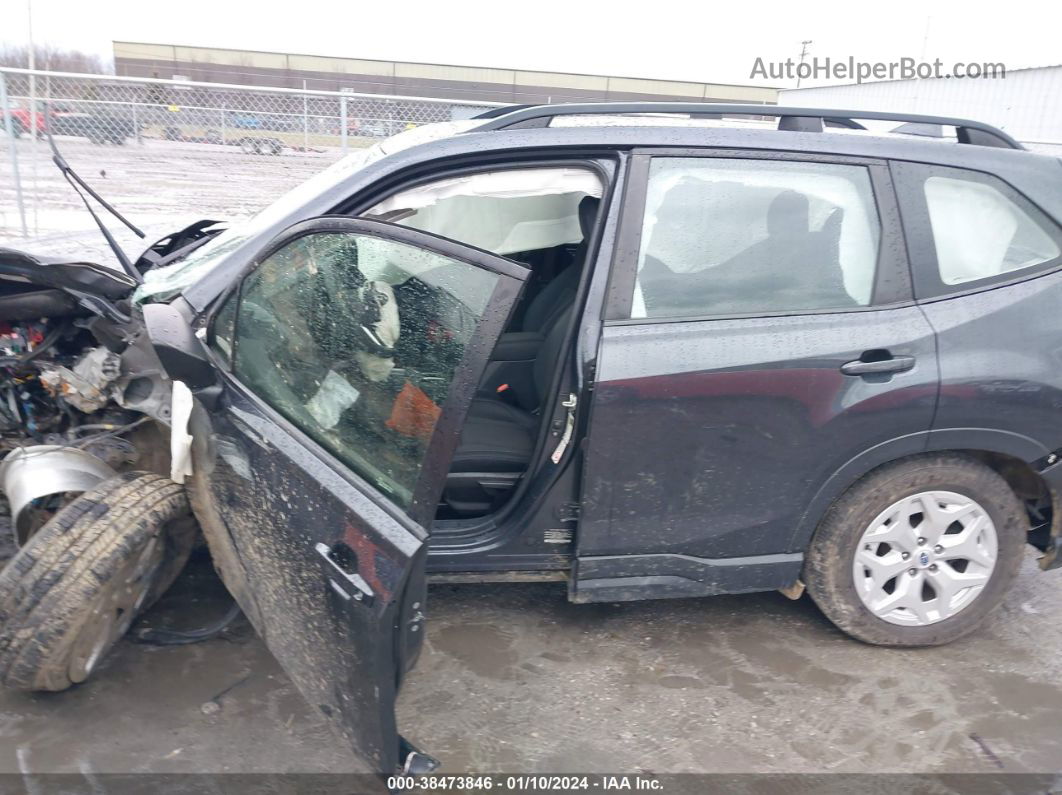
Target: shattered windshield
164,283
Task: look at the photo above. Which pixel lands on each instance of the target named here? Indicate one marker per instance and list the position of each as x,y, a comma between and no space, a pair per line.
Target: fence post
305,121
9,128
343,124
34,132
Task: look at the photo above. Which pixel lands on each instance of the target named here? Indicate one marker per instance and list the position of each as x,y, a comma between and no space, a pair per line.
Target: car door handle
893,364
342,560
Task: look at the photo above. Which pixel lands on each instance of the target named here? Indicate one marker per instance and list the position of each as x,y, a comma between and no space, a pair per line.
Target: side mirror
182,355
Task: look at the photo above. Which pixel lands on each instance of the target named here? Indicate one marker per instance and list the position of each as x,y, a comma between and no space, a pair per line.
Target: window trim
910,179
892,279
604,167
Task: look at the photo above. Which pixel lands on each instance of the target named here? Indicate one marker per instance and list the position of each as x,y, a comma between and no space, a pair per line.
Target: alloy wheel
925,558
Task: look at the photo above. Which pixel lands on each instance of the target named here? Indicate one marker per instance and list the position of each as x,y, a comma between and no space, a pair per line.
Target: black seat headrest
588,207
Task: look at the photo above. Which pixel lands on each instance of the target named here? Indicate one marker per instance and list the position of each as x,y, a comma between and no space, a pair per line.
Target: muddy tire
77,585
918,552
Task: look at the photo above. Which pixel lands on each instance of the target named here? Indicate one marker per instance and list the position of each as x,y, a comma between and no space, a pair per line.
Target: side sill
625,578
462,577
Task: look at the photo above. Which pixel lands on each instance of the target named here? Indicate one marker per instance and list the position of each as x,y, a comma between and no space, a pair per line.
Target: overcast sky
712,42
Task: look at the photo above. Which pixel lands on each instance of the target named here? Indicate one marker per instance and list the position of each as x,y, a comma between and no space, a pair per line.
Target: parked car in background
98,127
280,122
259,145
22,120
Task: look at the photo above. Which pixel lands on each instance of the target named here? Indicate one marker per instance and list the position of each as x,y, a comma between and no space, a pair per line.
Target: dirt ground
515,679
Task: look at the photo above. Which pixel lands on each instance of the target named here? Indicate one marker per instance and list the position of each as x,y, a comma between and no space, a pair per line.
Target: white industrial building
1027,103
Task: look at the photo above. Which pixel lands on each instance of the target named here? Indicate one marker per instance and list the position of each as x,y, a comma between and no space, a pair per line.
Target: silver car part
30,474
925,558
118,602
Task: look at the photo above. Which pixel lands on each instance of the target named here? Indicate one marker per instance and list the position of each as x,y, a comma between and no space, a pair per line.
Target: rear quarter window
979,232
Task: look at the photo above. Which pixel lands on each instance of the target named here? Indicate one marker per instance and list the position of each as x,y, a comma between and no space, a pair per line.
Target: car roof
1039,176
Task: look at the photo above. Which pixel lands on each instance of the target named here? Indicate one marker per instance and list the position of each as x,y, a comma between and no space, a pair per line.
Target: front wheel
76,586
918,552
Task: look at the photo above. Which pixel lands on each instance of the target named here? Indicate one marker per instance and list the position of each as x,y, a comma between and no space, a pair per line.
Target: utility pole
803,55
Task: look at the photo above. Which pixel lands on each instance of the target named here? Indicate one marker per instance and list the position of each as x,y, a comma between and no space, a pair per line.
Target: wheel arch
1009,454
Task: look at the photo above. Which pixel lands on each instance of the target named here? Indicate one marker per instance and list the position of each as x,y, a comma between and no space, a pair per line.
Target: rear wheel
917,553
75,588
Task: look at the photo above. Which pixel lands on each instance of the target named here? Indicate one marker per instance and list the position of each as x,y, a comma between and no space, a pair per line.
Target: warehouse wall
1025,103
137,59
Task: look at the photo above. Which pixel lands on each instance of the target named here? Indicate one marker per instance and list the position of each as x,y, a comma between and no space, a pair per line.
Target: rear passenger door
759,335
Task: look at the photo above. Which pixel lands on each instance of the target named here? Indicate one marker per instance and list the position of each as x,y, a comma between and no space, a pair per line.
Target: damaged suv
647,359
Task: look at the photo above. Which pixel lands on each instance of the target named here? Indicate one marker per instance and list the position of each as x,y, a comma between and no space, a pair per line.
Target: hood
18,270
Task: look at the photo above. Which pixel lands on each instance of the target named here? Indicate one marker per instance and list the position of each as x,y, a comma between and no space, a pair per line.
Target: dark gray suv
653,357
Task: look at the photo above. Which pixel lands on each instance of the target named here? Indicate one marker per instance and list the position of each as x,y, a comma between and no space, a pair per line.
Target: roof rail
494,113
789,118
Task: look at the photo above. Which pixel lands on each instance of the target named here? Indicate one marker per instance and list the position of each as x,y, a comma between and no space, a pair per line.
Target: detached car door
347,358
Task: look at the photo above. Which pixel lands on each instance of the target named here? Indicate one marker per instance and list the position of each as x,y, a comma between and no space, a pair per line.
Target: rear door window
746,236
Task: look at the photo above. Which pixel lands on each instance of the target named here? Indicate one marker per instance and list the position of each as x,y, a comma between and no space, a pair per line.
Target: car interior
504,420
542,218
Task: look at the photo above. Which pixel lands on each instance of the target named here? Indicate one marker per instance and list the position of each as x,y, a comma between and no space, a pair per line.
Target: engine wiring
32,413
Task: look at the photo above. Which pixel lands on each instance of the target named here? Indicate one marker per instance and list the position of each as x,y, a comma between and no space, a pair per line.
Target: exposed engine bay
82,392
62,385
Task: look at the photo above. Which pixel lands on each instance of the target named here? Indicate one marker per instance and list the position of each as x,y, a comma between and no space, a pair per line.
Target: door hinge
417,618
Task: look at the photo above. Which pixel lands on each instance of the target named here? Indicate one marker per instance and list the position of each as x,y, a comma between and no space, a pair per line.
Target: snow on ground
159,185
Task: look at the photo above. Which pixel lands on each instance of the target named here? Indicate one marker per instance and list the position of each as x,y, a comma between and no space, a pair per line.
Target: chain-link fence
168,151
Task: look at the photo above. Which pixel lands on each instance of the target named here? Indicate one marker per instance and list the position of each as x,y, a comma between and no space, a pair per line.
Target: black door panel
729,427
292,502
